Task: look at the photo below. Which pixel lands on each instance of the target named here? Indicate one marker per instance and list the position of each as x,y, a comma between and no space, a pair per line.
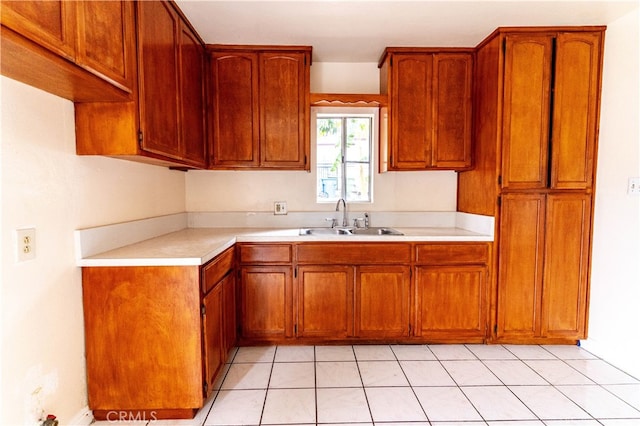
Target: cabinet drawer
354,253
215,270
452,254
265,253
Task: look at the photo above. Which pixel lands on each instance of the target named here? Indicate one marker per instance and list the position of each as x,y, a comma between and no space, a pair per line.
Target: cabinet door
284,110
106,40
450,302
527,87
520,265
158,26
229,314
266,302
382,301
452,110
411,111
212,333
192,97
51,24
566,271
325,301
234,110
575,111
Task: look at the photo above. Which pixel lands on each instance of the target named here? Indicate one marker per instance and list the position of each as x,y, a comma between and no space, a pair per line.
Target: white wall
256,191
46,186
615,272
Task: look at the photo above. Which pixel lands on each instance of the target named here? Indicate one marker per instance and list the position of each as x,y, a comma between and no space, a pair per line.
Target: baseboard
83,418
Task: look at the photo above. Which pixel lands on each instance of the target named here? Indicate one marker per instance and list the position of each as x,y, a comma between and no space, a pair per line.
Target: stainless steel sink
350,231
376,231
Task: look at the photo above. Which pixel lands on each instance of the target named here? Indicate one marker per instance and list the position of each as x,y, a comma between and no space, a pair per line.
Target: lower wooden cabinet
364,292
543,267
325,301
165,330
266,310
212,334
382,301
143,338
450,302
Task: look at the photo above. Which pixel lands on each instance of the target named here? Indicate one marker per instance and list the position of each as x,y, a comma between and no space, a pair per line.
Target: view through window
344,156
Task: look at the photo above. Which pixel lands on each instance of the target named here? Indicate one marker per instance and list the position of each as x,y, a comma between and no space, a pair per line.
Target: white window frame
374,113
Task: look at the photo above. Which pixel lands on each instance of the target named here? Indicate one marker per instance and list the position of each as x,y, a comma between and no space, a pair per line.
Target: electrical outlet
280,207
26,247
634,186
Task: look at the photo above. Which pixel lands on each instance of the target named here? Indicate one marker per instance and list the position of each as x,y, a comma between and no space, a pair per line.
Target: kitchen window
344,153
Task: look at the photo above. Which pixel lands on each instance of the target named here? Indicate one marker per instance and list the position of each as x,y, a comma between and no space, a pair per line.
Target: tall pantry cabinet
536,112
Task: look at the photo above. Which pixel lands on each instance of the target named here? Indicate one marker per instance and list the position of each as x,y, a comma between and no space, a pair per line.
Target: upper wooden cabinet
429,108
259,115
551,86
82,51
164,124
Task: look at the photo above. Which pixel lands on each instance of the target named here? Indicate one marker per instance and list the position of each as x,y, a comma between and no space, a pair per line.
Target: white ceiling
359,30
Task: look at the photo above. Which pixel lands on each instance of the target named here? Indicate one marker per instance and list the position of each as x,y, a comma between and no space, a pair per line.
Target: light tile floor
437,385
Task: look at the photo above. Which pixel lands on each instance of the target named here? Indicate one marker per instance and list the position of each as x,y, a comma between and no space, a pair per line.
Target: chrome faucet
345,221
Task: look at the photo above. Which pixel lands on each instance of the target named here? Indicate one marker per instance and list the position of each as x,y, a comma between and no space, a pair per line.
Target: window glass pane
358,138
329,135
358,175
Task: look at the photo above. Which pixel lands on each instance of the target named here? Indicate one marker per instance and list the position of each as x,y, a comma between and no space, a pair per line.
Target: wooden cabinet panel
452,110
382,301
158,27
265,253
143,331
216,269
284,106
229,314
452,253
411,111
575,112
212,331
325,301
266,302
106,40
527,89
450,302
354,253
192,108
234,113
566,269
51,24
520,273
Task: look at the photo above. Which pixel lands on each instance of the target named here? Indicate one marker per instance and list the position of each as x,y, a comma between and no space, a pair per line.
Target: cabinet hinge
203,310
205,388
499,202
500,180
295,329
140,137
495,328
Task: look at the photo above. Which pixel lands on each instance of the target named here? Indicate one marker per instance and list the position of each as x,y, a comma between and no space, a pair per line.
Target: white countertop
196,246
